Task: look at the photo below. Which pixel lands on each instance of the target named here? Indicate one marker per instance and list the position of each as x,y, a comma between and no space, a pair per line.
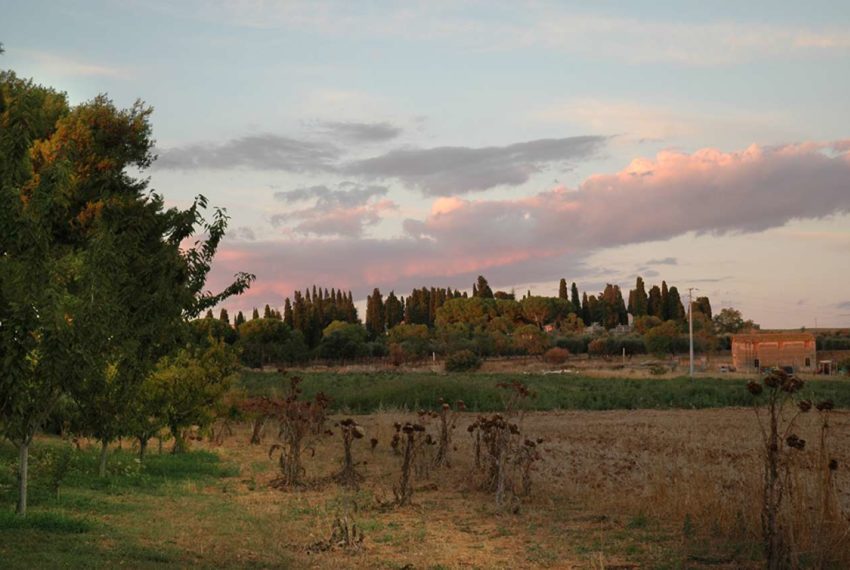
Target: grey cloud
843,306
347,194
245,233
259,152
665,261
342,211
360,132
443,171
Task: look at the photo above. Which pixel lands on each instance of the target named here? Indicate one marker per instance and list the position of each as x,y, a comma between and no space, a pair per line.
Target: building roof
774,337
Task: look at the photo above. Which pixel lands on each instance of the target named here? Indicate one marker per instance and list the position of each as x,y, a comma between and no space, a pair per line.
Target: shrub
462,361
556,355
575,344
598,347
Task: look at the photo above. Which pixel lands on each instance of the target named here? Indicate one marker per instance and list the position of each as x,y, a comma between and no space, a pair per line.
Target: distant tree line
324,324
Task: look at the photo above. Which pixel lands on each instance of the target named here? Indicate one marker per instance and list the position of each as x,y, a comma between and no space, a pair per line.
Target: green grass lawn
363,393
100,523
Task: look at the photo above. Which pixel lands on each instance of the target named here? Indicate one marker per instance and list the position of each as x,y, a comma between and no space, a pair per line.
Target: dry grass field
641,489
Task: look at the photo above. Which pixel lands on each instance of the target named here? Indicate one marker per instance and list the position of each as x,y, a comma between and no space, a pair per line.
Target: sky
396,145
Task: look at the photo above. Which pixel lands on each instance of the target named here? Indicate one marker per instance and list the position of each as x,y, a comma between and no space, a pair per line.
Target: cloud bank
539,237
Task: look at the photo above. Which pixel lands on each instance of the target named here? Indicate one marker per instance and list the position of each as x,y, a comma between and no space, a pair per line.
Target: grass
363,393
95,522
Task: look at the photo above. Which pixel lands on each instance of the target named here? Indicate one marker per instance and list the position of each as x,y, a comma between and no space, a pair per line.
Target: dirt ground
635,489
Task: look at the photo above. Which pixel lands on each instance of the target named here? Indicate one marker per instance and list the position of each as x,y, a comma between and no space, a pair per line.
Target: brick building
765,350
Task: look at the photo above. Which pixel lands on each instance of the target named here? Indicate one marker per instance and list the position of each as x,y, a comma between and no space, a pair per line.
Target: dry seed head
833,464
754,388
824,406
805,405
795,442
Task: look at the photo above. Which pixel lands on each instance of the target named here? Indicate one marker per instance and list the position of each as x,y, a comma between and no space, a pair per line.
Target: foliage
192,382
730,321
462,361
556,355
270,341
661,340
362,393
341,341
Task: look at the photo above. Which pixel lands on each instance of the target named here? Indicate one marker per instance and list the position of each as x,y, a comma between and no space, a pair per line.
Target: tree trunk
23,473
143,446
104,450
179,442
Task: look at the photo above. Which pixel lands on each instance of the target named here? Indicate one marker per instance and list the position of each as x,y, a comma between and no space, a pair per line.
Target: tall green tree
563,293
675,308
576,300
393,310
654,303
638,299
665,302
482,289
375,318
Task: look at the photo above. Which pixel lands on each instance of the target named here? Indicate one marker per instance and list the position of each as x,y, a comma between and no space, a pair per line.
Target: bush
575,344
556,355
462,361
598,347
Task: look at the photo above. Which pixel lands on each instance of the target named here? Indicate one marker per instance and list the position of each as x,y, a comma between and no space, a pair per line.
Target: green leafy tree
730,321
661,340
270,341
530,339
38,297
192,383
538,310
341,340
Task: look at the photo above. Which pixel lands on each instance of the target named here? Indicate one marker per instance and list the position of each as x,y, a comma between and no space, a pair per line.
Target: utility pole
691,328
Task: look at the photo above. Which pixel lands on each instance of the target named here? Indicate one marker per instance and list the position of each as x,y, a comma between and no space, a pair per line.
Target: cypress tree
665,302
240,319
393,310
209,315
575,299
703,305
375,320
638,300
675,309
484,290
255,314
267,312
585,309
223,316
653,304
562,290
287,313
